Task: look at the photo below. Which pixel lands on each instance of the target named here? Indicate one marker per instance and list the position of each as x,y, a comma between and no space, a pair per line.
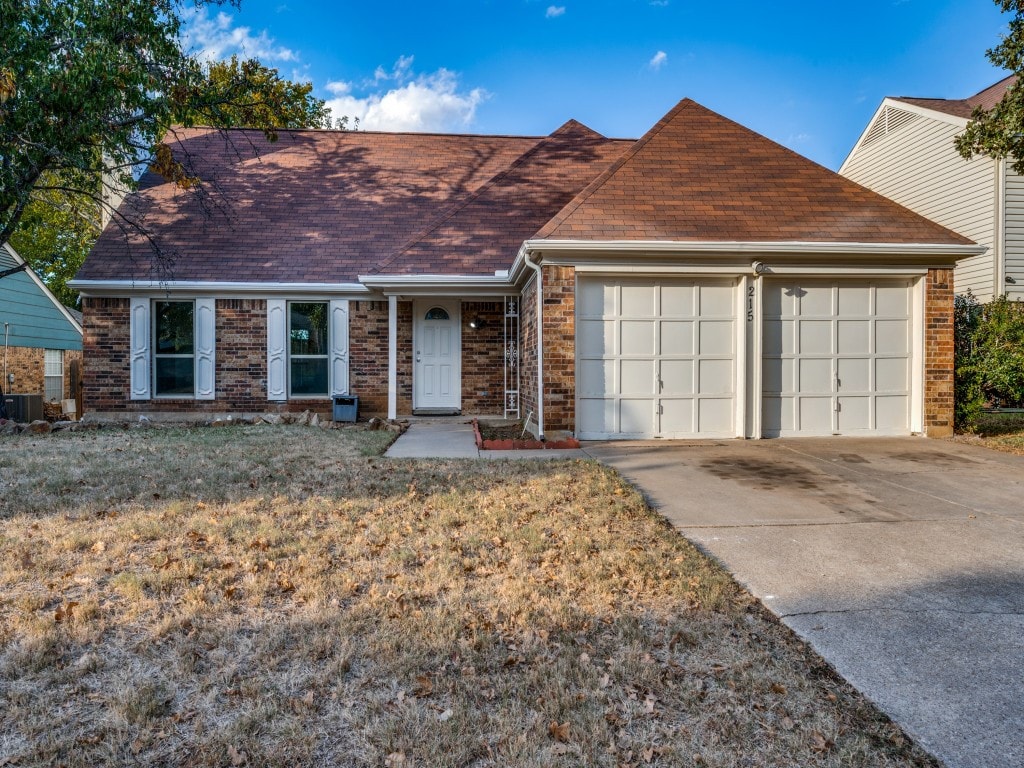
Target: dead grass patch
309,604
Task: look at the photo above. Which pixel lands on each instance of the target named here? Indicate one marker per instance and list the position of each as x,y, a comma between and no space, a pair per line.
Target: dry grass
998,431
275,596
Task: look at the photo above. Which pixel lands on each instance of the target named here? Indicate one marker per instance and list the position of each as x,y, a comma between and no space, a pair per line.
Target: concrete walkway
452,438
900,560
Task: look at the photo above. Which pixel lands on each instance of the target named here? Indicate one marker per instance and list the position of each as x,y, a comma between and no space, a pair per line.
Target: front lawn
282,596
998,431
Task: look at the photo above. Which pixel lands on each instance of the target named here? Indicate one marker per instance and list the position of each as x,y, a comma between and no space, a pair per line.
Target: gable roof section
313,207
697,176
964,108
482,233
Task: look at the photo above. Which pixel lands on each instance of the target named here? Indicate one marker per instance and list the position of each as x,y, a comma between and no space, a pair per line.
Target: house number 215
750,303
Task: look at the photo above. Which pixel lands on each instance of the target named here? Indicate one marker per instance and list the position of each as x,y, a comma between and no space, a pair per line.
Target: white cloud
658,60
430,102
659,3
212,38
554,11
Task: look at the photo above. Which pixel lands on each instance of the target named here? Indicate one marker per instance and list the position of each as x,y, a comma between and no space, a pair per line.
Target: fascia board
220,289
796,249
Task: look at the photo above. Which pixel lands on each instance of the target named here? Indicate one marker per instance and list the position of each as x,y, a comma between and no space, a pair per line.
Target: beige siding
1015,233
918,166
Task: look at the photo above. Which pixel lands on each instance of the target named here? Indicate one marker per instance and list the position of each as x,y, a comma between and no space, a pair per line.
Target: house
42,339
907,154
702,281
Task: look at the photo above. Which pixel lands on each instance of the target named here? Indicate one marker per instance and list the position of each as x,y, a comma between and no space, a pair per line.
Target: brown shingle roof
699,176
986,99
315,206
483,233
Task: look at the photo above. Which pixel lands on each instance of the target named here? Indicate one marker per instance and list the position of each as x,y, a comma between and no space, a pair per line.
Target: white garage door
656,358
836,358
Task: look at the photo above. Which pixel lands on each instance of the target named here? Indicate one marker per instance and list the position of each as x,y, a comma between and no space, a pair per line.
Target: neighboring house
42,339
700,282
907,154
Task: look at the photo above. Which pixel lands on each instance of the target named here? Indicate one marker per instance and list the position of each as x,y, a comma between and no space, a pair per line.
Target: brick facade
938,353
28,364
241,360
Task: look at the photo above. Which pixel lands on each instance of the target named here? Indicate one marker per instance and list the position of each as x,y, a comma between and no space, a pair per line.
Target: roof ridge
361,132
598,182
559,134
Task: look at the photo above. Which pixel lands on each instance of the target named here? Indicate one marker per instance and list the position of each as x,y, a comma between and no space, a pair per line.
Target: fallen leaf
99,546
236,757
424,687
779,688
64,612
26,560
394,759
786,724
819,743
559,732
445,716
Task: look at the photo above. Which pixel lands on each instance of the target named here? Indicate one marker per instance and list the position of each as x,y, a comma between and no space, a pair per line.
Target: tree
999,132
88,90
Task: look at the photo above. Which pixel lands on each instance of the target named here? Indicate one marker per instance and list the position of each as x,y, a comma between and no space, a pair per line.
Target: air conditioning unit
24,408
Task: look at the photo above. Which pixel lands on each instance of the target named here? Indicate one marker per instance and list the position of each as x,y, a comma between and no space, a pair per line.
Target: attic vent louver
889,120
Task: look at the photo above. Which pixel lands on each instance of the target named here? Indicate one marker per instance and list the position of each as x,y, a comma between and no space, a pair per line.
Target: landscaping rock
10,428
39,427
374,424
314,420
271,418
59,426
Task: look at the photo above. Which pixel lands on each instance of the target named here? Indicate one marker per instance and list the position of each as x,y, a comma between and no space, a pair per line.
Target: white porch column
392,357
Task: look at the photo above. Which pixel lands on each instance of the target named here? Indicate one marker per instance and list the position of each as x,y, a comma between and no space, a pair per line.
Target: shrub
989,350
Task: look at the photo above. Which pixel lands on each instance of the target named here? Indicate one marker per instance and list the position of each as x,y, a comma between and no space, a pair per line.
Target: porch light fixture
477,323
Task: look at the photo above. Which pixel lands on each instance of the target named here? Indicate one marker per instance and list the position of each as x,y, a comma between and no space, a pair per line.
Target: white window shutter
277,349
140,334
206,334
339,347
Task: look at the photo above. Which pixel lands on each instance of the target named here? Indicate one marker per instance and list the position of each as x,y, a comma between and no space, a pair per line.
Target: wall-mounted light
477,323
1010,280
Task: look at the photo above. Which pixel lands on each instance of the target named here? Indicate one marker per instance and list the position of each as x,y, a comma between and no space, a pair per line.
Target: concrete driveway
900,560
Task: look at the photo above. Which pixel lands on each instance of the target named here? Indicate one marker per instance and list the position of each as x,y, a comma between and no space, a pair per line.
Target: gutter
530,263
194,287
793,247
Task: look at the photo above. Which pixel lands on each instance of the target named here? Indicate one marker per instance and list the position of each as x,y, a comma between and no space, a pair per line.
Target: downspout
540,343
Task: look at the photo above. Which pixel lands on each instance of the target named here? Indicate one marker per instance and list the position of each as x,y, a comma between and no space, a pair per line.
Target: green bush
989,356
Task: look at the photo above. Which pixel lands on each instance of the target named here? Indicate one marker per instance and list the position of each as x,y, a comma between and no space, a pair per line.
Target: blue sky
808,75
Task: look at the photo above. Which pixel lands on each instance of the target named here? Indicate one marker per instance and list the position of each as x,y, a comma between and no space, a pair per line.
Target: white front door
437,355
837,358
656,357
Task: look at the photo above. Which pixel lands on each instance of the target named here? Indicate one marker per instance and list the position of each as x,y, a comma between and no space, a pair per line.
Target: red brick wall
483,358
28,364
528,352
368,356
938,353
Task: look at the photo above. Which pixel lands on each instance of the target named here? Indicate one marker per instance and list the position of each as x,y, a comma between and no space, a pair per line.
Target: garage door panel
677,417
854,337
636,416
779,337
854,374
678,301
659,355
815,299
714,416
596,299
815,337
891,409
638,300
595,338
596,377
677,337
854,414
637,337
851,368
677,377
892,374
815,375
892,301
715,377
892,337
717,301
716,337
638,377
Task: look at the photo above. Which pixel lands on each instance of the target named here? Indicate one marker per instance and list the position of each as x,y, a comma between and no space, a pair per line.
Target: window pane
436,313
308,329
54,362
309,376
174,328
53,388
175,376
